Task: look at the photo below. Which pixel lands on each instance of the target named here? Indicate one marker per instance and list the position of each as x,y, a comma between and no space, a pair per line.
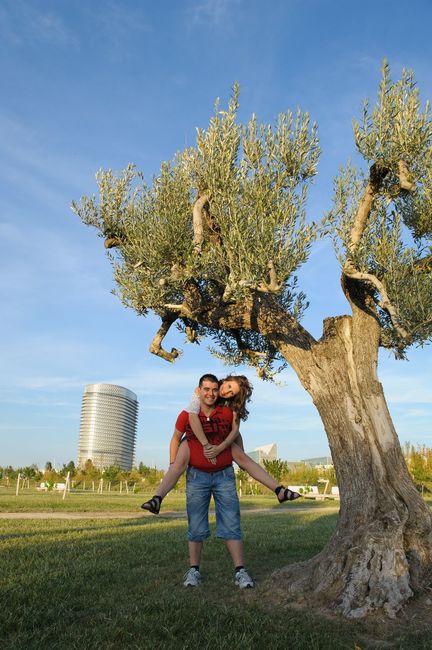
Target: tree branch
193,297
258,312
351,272
191,334
156,344
254,356
424,265
404,177
273,286
198,222
173,307
112,242
376,177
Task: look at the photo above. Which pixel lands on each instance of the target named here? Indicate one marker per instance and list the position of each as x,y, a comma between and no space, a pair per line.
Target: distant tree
112,473
144,470
329,474
10,472
277,468
419,463
69,467
134,475
151,474
48,466
243,476
213,245
31,471
90,471
154,476
302,473
50,476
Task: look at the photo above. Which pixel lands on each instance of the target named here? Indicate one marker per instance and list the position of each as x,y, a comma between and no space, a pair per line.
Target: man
204,480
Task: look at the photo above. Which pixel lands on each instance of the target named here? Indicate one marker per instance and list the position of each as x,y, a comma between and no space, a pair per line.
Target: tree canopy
225,222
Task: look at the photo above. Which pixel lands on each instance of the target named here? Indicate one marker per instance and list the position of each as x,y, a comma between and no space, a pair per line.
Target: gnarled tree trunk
381,550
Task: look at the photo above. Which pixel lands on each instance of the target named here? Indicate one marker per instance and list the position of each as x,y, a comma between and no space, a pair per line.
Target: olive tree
213,244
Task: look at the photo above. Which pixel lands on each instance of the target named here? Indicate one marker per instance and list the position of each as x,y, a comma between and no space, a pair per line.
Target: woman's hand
211,451
211,459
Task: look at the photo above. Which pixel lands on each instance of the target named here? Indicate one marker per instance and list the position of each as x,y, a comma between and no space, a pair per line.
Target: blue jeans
200,486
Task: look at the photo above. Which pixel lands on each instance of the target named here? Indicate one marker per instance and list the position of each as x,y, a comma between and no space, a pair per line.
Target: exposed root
353,580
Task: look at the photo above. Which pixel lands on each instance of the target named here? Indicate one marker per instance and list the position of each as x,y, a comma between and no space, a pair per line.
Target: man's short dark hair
208,377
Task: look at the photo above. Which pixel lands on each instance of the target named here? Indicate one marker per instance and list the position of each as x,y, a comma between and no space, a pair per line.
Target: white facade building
266,452
108,426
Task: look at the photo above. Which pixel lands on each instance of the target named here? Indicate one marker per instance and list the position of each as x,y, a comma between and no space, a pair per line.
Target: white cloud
30,161
212,12
408,388
410,413
119,21
22,23
48,274
25,428
160,381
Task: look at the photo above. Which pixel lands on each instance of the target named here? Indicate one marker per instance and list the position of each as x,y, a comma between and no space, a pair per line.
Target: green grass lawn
93,584
33,501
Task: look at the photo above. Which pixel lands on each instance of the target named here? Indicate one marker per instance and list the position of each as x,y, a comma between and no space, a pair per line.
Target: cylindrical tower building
108,426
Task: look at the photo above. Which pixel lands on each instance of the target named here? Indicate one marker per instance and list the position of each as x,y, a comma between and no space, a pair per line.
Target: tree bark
381,550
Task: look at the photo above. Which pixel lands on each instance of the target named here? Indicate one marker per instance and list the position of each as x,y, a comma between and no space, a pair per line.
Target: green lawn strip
32,501
105,584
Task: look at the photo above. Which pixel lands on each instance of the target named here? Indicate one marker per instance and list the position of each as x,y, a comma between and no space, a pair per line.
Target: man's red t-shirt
216,428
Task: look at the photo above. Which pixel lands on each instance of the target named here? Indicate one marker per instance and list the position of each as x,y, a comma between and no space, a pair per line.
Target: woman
234,391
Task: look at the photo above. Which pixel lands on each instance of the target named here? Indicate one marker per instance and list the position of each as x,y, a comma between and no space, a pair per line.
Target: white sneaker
243,579
192,578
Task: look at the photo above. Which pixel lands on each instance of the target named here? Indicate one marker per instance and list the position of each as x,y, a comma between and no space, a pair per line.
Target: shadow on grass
40,529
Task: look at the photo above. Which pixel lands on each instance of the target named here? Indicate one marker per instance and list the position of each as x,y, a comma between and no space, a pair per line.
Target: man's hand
211,451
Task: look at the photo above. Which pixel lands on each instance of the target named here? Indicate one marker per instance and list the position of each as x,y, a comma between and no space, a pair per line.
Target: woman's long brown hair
238,402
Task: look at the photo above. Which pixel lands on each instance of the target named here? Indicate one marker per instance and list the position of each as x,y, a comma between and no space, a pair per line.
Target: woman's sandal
288,495
153,505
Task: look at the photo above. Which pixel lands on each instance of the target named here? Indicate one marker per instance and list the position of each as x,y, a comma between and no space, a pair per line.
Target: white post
240,488
18,485
67,485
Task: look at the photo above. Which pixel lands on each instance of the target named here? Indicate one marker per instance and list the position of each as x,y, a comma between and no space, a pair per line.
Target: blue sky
90,85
